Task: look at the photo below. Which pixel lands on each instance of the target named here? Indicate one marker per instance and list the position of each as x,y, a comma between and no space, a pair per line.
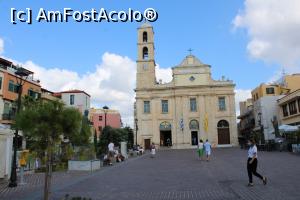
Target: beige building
287,84
191,107
289,112
245,106
48,95
292,82
264,90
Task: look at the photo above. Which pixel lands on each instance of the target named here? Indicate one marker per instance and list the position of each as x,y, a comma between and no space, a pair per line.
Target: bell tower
145,76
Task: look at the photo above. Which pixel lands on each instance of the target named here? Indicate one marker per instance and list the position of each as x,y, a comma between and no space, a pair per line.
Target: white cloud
164,74
1,46
112,83
241,95
273,27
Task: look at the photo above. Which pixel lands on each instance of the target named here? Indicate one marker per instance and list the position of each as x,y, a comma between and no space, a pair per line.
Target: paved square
178,174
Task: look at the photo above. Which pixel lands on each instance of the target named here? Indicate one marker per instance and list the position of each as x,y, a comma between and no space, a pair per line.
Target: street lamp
261,127
105,109
22,75
136,130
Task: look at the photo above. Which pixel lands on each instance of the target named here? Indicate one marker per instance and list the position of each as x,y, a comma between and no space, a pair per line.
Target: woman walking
252,163
200,149
153,151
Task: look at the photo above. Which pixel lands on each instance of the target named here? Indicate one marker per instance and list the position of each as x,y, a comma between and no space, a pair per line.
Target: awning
288,128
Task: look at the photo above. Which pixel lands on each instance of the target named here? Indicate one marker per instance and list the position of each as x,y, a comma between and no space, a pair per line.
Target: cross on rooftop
190,50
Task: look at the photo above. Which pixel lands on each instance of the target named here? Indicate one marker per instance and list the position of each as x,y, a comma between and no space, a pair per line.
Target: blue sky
205,26
209,27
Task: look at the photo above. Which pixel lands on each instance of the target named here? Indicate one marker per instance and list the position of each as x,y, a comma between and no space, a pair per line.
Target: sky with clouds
238,39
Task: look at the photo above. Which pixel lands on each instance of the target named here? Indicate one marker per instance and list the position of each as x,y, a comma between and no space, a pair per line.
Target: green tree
115,135
82,138
46,122
104,140
130,137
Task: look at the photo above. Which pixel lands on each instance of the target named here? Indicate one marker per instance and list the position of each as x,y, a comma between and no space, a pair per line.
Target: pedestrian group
204,150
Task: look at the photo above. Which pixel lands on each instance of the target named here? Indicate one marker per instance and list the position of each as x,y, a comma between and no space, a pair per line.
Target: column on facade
232,122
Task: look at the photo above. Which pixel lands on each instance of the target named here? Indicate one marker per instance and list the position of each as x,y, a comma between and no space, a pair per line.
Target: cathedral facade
191,107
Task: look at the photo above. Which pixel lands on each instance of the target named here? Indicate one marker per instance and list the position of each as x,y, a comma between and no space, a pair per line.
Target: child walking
200,149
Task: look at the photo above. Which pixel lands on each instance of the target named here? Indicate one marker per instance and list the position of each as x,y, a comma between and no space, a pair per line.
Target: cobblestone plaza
174,174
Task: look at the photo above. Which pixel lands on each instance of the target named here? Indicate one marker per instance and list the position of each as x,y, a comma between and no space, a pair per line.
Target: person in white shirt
252,163
207,147
200,149
153,151
141,150
111,152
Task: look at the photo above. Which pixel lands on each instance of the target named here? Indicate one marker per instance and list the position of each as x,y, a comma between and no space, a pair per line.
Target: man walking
111,152
207,147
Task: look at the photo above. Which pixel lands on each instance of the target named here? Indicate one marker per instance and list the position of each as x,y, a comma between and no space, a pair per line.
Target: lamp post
136,130
261,127
22,75
105,109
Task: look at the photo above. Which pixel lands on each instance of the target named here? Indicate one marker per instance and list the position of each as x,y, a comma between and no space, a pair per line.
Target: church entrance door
165,134
147,143
165,138
223,136
194,136
194,127
223,132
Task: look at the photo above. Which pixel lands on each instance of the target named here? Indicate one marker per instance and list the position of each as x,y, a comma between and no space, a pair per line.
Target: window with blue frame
222,104
72,99
33,94
146,106
12,87
164,106
193,105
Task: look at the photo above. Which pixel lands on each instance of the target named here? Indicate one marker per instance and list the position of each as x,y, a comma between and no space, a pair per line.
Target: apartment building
9,85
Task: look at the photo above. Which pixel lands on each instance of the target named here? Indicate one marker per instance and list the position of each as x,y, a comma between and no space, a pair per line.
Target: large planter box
89,165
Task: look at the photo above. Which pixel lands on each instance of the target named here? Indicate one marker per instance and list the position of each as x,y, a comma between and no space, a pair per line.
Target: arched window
194,125
223,124
145,53
145,37
165,126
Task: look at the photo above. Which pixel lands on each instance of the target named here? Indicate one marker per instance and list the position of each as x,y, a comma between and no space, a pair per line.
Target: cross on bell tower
190,50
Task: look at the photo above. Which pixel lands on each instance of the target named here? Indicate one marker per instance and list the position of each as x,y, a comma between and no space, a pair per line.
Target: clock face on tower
145,66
